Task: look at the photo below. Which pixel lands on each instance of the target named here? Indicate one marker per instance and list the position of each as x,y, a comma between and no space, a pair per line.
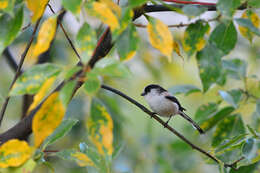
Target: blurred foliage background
140,143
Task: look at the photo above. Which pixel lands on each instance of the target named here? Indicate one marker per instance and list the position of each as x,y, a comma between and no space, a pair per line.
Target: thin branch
182,24
10,60
171,7
18,71
66,35
234,164
26,26
190,2
158,119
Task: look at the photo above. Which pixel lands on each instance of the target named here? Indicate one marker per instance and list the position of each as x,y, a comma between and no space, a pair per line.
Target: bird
165,104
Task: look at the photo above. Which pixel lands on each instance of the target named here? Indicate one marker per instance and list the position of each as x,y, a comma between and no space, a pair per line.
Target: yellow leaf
113,6
176,48
160,37
3,4
42,93
253,17
37,7
130,55
105,14
48,117
100,127
45,36
82,160
14,153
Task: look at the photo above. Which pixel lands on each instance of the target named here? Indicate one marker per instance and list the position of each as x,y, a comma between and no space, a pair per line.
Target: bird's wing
174,99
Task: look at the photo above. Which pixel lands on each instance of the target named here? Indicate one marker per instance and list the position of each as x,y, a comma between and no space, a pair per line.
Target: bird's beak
143,94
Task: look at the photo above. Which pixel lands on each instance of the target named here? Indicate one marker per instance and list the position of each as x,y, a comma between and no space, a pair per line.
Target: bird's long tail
191,121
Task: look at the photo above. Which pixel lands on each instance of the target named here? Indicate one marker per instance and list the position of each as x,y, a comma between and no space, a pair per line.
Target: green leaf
193,10
230,142
73,6
224,37
185,89
194,37
212,121
209,61
111,67
236,68
86,41
245,169
72,72
66,92
258,107
254,3
227,128
127,43
10,26
92,84
248,24
7,5
91,152
206,111
228,8
31,80
249,149
80,158
136,3
61,131
228,98
28,166
125,21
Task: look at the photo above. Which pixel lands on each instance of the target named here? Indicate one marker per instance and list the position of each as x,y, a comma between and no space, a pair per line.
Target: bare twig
158,119
18,71
27,26
190,2
66,35
234,164
182,24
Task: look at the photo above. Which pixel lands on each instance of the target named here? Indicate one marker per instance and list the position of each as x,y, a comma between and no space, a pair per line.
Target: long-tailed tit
165,104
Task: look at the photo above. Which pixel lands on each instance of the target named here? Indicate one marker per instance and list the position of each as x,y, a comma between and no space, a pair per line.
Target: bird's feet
153,113
166,123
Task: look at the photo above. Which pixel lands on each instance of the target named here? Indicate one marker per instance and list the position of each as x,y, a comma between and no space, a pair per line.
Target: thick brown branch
166,125
18,71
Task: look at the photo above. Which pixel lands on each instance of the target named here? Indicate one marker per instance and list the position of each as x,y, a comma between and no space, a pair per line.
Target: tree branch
190,2
66,35
171,7
18,71
166,125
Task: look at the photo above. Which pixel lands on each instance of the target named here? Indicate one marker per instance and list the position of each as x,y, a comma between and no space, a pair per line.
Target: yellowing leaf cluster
82,159
3,4
160,37
42,93
47,118
101,131
37,7
253,17
107,11
45,36
14,153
